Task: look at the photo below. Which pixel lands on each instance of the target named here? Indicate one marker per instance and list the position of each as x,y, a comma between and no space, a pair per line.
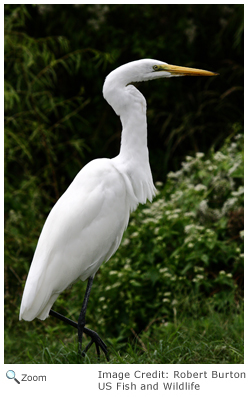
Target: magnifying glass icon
11,375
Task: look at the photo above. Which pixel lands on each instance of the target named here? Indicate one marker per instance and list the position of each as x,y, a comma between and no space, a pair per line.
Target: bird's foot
95,338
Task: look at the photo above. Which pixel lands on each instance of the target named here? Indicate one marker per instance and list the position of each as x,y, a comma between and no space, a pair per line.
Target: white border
70,379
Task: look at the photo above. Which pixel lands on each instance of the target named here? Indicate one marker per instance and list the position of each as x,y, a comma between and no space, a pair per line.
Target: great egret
85,227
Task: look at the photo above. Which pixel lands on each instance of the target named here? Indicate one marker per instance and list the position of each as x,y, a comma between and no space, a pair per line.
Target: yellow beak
183,71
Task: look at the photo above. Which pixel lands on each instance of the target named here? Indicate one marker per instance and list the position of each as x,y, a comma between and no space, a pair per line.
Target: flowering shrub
182,250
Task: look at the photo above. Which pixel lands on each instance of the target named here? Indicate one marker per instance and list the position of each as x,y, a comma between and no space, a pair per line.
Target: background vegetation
174,290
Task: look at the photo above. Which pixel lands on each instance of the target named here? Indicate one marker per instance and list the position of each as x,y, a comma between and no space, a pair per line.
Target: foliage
216,338
184,115
38,121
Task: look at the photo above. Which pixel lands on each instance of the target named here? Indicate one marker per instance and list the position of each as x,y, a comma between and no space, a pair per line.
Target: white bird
85,227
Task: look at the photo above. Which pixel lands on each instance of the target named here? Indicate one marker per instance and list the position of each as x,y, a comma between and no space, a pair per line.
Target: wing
83,229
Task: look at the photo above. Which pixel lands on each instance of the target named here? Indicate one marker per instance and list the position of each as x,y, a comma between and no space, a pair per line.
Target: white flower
219,156
234,167
228,204
200,187
203,206
166,274
165,300
239,192
135,234
173,216
186,166
149,220
188,228
176,195
146,211
188,214
199,155
198,269
125,242
172,174
198,278
163,270
210,232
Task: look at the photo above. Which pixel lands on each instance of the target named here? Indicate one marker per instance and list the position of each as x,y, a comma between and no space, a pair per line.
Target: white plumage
86,225
83,229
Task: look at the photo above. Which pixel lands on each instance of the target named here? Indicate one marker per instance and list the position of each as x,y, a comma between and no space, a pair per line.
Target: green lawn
216,338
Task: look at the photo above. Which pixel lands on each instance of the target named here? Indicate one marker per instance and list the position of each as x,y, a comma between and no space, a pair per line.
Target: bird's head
150,69
142,70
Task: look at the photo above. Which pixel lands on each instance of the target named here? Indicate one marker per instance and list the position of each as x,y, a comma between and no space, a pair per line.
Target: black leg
81,326
62,318
82,329
81,319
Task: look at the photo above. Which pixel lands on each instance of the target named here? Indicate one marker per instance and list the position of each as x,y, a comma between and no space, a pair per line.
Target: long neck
134,126
133,159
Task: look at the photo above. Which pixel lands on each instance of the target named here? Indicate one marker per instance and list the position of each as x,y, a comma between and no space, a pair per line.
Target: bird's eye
156,67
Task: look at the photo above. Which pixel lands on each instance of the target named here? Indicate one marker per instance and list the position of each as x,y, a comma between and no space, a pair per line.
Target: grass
216,338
